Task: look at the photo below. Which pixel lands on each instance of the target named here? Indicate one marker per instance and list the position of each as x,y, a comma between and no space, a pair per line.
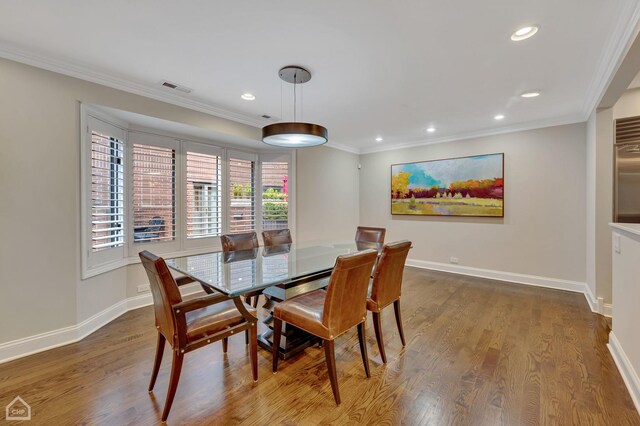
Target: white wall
591,204
628,105
623,341
40,285
600,159
543,230
328,194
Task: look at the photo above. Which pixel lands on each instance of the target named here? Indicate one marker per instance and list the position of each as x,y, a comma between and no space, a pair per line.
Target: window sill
132,260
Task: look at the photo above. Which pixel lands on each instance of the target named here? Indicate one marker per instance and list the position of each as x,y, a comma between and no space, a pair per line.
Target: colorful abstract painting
467,186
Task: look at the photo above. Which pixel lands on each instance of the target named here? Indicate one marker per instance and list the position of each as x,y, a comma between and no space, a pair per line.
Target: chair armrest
184,280
199,303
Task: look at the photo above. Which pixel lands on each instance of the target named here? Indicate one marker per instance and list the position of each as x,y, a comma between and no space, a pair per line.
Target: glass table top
238,272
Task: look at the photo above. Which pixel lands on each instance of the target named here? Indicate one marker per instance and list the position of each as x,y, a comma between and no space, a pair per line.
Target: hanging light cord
295,80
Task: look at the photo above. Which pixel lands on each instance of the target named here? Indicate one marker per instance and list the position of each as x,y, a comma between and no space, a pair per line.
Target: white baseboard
52,339
594,303
555,283
629,375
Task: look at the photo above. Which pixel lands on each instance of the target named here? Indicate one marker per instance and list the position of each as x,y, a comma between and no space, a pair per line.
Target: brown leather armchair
385,289
190,324
369,234
328,314
243,241
276,237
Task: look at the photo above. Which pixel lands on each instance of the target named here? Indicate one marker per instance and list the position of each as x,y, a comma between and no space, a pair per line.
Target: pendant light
294,134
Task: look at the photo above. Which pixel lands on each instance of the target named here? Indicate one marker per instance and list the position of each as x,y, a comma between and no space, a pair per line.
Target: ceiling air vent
176,87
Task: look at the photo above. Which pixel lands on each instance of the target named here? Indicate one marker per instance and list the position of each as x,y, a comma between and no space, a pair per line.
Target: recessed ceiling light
498,117
431,129
378,139
530,95
524,33
248,97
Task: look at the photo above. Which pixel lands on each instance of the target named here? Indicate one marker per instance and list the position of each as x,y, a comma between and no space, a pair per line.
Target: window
107,192
154,185
103,188
204,200
275,195
144,190
241,195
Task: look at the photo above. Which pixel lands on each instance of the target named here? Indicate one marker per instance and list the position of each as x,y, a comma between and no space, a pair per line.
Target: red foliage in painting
485,188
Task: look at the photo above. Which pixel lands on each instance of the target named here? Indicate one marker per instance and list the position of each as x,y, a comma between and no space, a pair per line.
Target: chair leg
158,361
176,367
330,355
396,307
377,326
255,301
253,350
275,349
225,344
362,337
246,337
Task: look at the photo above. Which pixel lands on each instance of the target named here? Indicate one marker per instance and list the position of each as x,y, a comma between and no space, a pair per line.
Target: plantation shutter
241,195
204,197
154,199
107,192
104,208
275,195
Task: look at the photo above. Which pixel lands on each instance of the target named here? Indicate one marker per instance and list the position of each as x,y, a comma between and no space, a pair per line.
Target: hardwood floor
479,352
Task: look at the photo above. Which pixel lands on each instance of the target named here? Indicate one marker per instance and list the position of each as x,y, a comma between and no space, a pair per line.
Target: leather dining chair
191,324
276,237
328,314
386,286
243,241
370,234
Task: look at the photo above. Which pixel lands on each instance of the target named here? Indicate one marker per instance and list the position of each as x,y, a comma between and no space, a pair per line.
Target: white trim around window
108,258
212,242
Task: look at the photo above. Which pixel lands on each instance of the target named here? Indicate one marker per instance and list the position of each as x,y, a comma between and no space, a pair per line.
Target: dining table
278,272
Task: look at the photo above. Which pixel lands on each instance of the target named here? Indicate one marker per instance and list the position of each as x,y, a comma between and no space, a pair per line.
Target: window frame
291,214
137,137
94,263
257,212
202,242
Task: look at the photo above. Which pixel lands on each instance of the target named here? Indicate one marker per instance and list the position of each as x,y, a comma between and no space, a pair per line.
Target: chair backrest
239,255
244,241
369,234
164,291
387,278
345,304
276,237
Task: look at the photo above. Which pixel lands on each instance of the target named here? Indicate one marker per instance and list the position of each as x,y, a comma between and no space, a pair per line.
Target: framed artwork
465,186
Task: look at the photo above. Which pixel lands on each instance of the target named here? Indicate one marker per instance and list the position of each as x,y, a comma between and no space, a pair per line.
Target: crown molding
343,147
94,76
621,39
529,125
609,62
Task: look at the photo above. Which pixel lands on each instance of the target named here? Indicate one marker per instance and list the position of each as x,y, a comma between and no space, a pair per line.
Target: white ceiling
379,68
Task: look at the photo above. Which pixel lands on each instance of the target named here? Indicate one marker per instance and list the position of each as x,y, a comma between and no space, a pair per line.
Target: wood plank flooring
479,352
